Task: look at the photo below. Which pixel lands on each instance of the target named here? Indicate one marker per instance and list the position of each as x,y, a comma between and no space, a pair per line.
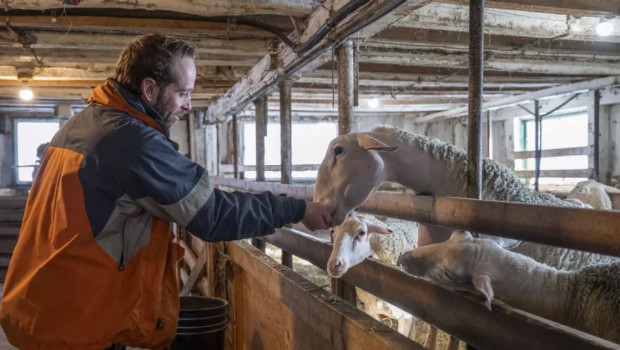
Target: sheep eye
447,275
338,150
361,233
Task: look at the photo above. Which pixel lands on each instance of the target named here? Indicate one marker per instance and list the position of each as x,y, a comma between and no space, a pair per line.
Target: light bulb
373,103
604,28
26,94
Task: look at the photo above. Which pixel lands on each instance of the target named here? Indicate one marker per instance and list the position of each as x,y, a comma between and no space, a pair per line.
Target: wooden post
597,133
346,80
260,106
345,116
261,131
286,151
235,132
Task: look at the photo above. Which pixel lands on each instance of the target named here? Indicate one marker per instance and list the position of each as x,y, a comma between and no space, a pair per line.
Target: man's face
175,98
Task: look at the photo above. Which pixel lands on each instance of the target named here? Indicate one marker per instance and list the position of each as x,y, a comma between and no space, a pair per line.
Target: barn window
310,142
564,144
29,135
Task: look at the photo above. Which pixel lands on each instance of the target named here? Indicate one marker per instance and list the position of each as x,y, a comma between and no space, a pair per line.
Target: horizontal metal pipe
591,230
503,328
584,229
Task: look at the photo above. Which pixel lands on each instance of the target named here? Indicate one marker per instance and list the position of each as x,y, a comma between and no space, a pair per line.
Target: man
95,265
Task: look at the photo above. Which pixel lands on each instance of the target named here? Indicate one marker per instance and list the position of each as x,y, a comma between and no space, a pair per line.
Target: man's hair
150,56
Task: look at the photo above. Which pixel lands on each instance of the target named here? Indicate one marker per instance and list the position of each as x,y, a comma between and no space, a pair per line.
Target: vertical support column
476,69
286,154
260,105
346,79
63,112
286,149
218,142
597,132
474,149
537,142
489,135
235,135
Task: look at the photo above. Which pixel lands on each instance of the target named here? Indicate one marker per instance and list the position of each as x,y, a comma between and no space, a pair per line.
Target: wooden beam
574,173
208,8
317,319
564,7
114,43
408,36
496,60
450,17
512,100
132,25
197,272
262,78
559,152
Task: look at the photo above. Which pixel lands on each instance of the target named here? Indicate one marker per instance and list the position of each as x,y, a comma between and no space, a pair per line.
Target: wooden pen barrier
505,327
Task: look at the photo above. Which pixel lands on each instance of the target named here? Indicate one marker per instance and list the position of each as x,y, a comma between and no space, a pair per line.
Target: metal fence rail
591,230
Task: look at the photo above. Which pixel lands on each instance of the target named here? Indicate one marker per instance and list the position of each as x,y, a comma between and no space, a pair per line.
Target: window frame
16,182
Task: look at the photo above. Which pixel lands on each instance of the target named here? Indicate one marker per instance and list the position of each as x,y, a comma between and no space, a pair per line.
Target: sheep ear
461,235
482,283
378,229
370,143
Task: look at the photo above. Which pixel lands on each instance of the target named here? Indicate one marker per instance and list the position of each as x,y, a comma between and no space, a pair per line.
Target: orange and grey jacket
94,264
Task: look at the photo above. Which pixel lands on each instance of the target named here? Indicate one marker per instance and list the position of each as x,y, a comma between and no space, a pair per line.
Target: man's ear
370,143
149,90
482,283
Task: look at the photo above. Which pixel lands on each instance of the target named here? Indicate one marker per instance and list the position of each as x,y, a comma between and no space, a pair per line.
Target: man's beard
168,117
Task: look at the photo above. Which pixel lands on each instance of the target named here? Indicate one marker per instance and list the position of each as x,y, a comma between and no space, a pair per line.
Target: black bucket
202,324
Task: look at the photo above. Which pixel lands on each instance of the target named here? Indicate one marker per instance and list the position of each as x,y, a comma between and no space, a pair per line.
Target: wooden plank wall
272,307
11,214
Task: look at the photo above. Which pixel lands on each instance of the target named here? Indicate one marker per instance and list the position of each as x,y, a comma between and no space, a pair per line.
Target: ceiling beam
203,8
509,22
564,7
513,100
114,43
133,25
417,37
263,77
520,61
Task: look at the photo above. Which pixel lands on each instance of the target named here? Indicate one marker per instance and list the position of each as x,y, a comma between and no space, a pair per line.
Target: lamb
587,299
592,193
362,236
358,163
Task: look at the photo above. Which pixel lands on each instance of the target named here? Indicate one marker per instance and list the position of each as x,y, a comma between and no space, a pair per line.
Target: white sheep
592,193
358,163
587,299
362,236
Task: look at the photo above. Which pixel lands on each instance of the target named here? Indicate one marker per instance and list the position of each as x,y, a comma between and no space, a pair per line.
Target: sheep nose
337,263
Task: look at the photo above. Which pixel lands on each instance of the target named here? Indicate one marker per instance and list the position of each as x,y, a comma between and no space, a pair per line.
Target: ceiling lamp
373,103
25,93
605,28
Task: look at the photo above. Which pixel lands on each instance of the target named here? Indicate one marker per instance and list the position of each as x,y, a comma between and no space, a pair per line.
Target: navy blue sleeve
172,187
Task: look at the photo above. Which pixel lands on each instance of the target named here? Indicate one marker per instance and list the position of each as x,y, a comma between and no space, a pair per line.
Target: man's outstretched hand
317,216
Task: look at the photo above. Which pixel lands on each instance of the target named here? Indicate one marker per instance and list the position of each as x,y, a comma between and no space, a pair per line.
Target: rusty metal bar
591,230
476,67
345,86
504,328
260,106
